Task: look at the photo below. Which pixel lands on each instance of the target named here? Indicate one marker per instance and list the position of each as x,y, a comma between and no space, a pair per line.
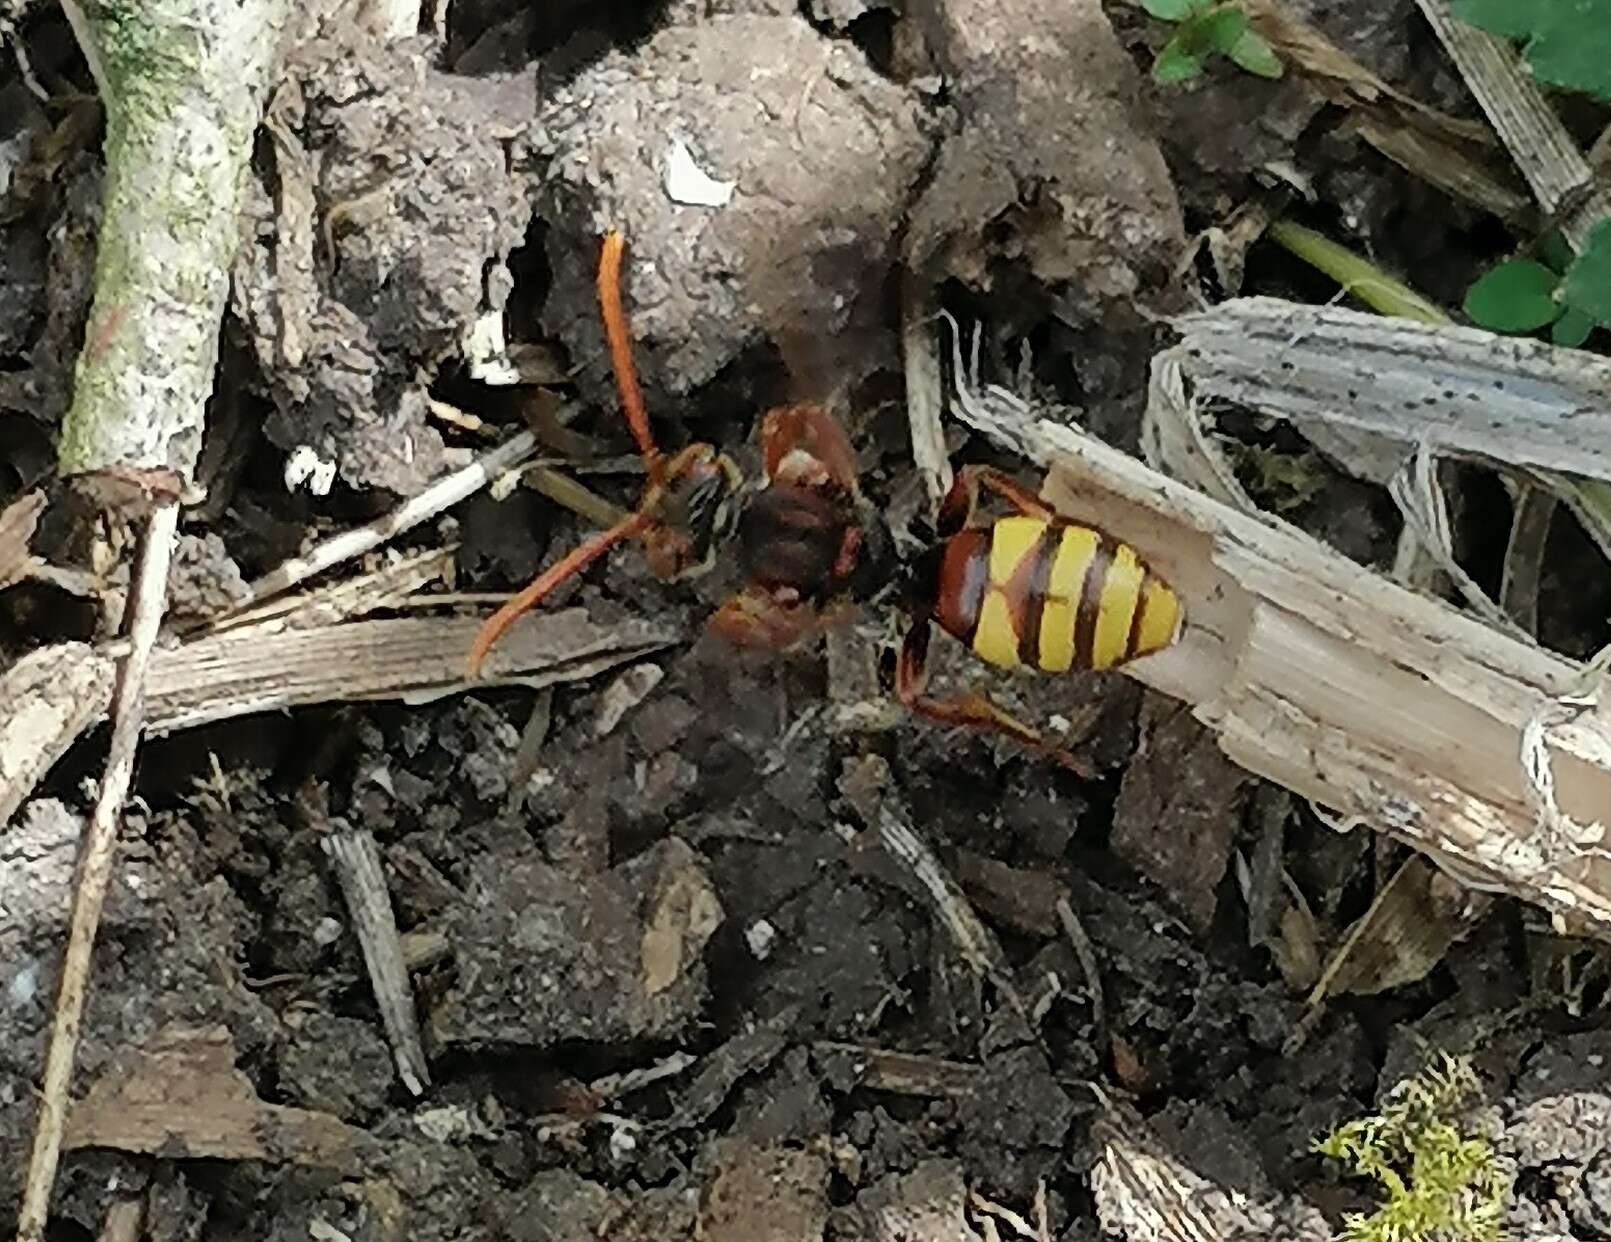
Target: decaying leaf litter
709,945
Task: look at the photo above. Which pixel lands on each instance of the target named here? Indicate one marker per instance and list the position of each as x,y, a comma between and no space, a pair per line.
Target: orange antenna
578,559
619,339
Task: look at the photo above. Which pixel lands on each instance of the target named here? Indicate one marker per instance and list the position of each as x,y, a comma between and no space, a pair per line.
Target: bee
1029,589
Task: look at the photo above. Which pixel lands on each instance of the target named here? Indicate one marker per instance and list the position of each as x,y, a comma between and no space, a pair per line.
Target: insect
685,501
1032,589
809,545
1029,590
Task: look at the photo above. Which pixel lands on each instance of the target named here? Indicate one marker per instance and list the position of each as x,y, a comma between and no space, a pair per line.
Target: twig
183,90
1006,1216
442,494
393,585
1075,931
529,751
925,392
1533,512
1549,159
50,697
1458,389
147,598
564,490
973,940
357,863
904,1073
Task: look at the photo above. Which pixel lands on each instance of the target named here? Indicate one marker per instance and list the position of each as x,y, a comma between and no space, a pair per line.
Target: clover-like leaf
1568,42
1516,296
1587,286
1176,62
1500,17
1572,328
1215,30
1253,53
1175,10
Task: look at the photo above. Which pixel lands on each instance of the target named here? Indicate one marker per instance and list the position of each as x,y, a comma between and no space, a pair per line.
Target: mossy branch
184,83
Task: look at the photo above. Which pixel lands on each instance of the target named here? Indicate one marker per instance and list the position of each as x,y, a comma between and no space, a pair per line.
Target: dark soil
690,874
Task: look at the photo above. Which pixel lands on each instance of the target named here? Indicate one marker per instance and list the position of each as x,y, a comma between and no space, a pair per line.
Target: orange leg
973,710
544,584
958,507
619,339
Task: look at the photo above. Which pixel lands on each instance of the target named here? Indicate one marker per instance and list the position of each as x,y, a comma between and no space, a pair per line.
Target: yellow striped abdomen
1054,596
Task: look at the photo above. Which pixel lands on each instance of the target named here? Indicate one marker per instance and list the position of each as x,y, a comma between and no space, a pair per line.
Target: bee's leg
962,501
973,710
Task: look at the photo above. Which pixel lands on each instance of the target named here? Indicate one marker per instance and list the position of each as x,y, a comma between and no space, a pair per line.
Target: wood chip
1458,389
181,1097
18,520
414,659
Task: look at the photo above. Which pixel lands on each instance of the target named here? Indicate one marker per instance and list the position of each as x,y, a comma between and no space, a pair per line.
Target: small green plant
1441,1185
1567,42
1553,291
1204,28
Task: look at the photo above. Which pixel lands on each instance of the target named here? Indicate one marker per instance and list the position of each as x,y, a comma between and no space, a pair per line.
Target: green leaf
1516,296
1555,251
1571,46
1512,18
1587,286
1176,62
1568,41
1174,10
1255,55
1216,30
1572,328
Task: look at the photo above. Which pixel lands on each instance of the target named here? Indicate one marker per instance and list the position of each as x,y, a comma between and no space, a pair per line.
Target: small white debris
24,986
691,185
327,932
760,936
452,1123
305,466
503,486
486,352
324,1231
622,1142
